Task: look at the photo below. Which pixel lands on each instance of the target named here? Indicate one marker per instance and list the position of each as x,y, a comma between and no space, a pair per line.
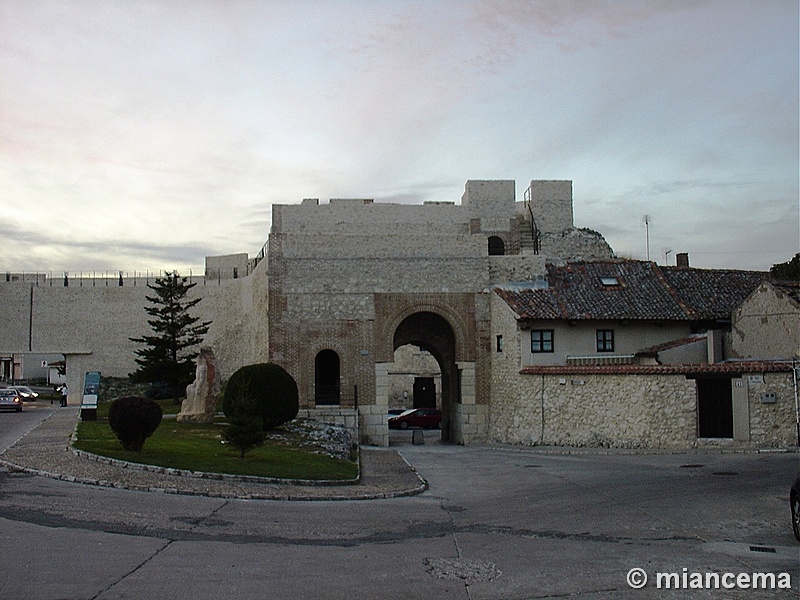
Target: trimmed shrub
134,419
272,389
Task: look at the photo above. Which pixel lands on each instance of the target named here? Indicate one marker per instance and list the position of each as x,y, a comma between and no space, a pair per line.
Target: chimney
682,259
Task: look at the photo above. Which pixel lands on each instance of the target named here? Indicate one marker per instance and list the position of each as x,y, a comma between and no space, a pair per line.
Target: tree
168,355
246,429
271,387
788,270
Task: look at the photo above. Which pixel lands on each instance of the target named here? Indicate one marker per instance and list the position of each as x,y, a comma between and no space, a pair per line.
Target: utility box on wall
769,398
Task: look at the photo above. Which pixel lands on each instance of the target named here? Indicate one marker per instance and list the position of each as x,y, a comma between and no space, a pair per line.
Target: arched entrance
326,378
497,246
432,333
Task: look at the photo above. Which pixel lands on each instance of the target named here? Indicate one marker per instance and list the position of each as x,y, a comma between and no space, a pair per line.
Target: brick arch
309,366
457,310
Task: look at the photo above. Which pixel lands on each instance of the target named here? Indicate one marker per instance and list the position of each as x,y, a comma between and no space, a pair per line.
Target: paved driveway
496,523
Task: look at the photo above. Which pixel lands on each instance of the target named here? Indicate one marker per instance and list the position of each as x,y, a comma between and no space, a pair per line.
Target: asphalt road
496,523
14,425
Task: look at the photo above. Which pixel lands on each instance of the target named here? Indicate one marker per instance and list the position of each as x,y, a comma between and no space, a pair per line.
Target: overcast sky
149,134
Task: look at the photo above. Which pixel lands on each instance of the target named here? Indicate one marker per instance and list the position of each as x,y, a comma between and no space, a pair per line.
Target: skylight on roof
609,281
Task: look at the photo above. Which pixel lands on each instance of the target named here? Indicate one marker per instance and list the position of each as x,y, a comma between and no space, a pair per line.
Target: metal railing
601,359
113,278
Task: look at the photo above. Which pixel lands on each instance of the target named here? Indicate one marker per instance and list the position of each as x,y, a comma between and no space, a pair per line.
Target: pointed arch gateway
431,332
444,325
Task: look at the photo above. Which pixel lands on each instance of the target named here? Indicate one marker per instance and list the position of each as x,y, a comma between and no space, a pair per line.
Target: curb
287,489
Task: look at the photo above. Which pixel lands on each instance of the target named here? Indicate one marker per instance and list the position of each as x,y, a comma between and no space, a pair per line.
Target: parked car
26,393
794,503
428,418
9,398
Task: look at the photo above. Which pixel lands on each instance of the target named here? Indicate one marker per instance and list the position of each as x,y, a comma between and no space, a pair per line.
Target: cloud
163,127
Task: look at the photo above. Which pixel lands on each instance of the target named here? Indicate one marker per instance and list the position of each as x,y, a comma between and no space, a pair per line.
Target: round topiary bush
269,387
134,419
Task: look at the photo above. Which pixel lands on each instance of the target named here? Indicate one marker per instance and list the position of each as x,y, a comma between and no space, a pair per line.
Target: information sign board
91,388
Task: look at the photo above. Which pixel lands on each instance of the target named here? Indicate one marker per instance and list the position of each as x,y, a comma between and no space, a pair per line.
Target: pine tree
245,430
168,355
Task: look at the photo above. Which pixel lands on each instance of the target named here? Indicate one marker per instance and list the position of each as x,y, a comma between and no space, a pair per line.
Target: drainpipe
796,401
30,322
541,437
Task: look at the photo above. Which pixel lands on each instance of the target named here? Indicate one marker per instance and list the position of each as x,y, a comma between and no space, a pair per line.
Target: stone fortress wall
344,275
91,324
338,275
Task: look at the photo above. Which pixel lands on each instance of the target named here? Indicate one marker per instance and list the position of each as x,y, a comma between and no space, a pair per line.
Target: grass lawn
198,447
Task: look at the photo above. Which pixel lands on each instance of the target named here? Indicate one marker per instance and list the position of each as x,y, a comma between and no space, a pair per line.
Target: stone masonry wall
631,411
504,425
551,203
772,424
623,411
766,325
98,321
329,262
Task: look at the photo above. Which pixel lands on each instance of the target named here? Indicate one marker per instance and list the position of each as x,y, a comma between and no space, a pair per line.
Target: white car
26,393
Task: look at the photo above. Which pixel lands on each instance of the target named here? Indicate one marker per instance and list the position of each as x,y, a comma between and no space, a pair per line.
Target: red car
427,418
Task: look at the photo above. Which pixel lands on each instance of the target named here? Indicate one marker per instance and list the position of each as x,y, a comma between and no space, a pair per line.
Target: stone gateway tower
352,281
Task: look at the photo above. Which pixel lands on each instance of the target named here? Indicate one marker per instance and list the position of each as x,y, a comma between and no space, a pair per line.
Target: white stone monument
201,395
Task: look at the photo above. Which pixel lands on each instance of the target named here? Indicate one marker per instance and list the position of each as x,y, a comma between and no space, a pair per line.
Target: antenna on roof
646,220
667,252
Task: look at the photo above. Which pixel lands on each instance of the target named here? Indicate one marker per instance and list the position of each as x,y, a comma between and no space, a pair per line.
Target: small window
499,340
609,281
605,340
542,340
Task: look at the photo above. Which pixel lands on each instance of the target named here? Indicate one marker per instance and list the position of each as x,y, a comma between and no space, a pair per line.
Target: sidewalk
46,451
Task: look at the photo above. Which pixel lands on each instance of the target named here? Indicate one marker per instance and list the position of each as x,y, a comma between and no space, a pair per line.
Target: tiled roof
712,293
527,303
692,339
729,367
633,290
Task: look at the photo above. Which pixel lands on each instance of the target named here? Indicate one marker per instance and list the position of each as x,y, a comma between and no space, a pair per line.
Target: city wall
328,265
92,324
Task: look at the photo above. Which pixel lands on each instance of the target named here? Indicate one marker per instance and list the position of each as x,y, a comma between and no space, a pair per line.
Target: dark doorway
424,392
714,408
326,378
496,246
431,332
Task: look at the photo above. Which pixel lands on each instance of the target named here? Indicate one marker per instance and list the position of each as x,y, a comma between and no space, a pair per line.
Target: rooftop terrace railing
602,359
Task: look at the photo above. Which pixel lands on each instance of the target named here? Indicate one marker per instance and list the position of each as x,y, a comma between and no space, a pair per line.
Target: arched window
496,246
326,378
